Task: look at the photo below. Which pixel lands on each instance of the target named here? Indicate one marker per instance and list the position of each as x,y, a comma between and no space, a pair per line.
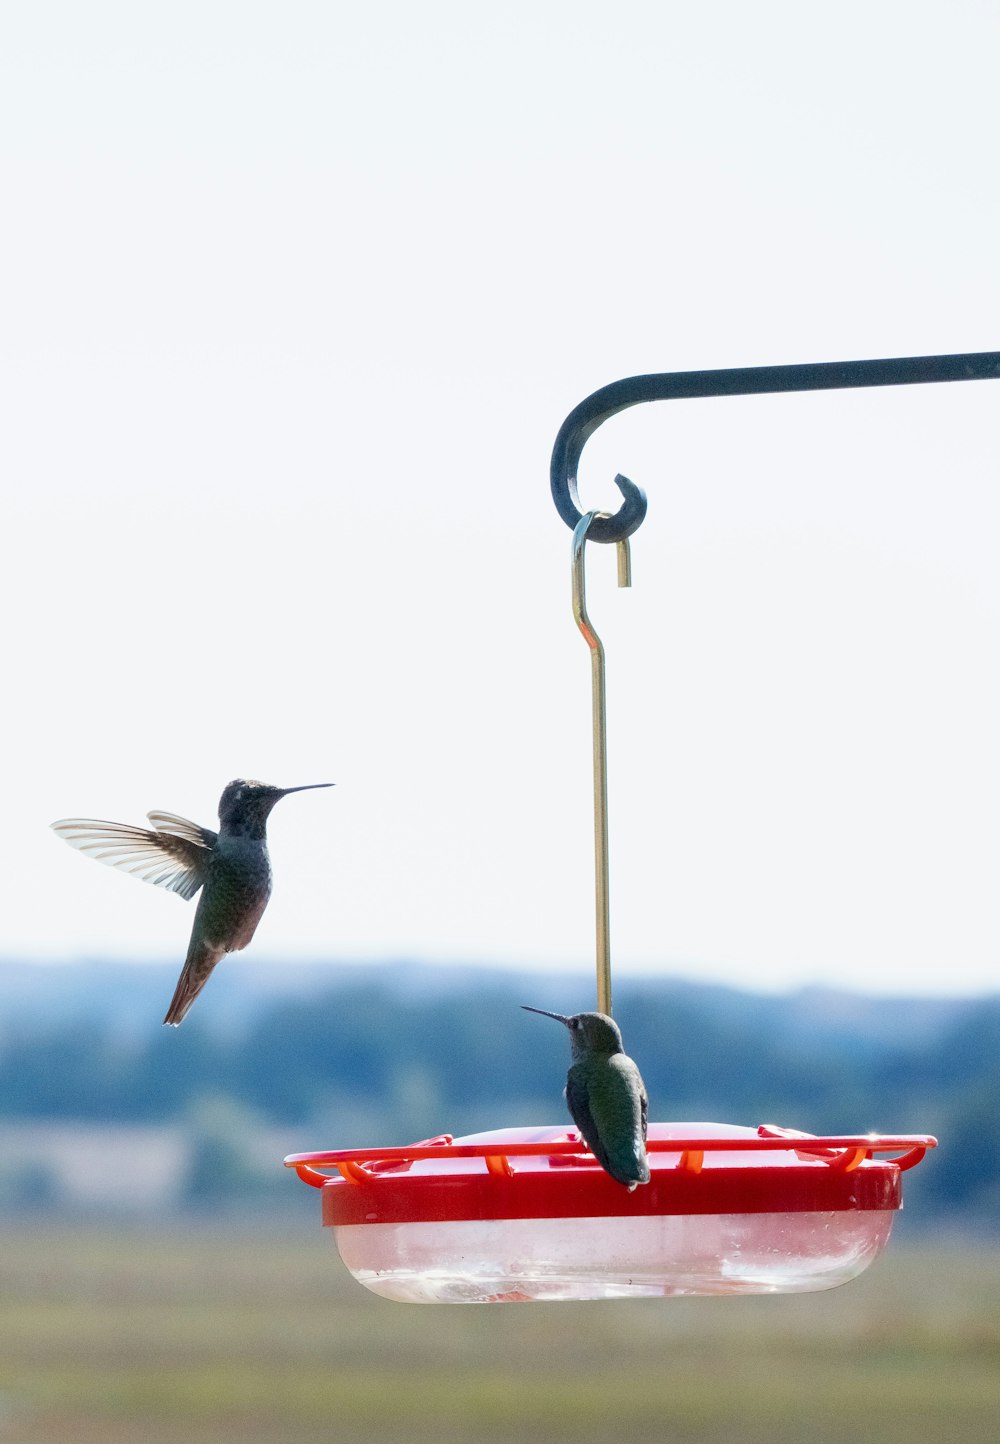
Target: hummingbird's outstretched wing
181,827
172,859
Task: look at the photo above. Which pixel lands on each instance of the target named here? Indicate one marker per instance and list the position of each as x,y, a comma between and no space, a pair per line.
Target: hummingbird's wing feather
621,1117
610,1112
181,827
169,861
578,1104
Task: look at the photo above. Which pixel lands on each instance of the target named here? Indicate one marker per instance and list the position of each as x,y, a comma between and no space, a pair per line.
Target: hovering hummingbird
605,1095
231,865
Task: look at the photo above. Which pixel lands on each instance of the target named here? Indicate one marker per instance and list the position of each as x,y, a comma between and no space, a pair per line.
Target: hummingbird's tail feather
201,959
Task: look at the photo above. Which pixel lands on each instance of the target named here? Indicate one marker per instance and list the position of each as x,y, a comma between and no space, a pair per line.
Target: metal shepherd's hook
598,713
617,527
601,405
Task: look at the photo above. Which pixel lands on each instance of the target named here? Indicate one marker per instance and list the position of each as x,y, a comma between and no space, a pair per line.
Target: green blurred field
202,1335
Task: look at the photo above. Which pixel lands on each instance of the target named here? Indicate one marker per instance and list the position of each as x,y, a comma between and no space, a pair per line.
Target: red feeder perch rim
843,1152
693,1171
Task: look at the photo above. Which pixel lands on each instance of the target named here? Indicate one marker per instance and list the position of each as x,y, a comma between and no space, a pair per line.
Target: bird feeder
521,1215
527,1214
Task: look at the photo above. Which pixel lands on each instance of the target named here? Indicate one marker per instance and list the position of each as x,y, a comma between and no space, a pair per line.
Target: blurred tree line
367,1062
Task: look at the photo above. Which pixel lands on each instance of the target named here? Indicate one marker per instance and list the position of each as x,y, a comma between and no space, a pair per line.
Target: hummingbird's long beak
559,1017
306,787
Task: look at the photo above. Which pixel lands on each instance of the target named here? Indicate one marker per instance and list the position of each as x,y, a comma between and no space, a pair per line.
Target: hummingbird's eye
575,1024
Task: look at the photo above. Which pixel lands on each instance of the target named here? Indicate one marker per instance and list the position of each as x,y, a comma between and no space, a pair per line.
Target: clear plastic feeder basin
524,1214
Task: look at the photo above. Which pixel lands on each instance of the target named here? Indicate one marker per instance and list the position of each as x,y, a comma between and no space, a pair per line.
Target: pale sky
295,298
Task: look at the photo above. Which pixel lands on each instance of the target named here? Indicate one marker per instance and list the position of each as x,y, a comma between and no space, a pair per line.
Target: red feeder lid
546,1172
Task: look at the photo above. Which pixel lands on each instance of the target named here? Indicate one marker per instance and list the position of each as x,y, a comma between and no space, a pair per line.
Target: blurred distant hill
283,1057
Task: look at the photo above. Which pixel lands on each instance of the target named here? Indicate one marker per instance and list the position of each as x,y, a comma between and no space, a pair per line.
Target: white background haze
295,298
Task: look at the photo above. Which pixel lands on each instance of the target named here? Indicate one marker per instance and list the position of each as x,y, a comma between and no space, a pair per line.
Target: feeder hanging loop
592,412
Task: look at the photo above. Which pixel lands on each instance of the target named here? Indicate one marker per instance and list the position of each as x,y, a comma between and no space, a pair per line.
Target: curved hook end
627,519
632,513
580,424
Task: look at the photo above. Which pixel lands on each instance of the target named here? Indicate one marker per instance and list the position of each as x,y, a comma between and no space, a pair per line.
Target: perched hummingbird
606,1096
232,865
